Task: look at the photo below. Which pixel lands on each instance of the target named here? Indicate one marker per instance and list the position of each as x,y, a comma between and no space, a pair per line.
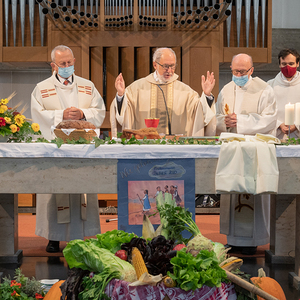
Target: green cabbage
220,250
88,256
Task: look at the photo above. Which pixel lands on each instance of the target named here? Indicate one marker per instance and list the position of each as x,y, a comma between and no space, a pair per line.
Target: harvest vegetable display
160,257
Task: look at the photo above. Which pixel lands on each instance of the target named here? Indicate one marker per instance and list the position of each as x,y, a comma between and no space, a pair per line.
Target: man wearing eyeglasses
286,87
246,105
65,96
161,95
250,103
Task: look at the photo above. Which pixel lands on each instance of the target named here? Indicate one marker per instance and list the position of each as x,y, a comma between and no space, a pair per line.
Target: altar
45,168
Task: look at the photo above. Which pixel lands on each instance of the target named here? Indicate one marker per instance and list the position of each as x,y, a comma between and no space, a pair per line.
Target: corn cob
231,263
138,262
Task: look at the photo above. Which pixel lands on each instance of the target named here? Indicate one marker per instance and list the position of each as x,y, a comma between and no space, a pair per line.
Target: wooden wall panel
85,56
96,68
127,64
112,70
200,63
24,54
177,51
143,62
78,60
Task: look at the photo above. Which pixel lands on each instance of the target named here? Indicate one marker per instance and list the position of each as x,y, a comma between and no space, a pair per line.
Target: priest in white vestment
161,95
65,96
246,105
286,86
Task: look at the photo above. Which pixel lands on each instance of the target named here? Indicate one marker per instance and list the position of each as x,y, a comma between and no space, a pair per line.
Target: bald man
246,105
188,113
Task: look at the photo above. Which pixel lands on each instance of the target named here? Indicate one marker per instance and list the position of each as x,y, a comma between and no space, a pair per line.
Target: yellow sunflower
4,101
19,120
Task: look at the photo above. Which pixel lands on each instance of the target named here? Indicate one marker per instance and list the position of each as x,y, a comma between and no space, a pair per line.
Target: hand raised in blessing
120,85
208,83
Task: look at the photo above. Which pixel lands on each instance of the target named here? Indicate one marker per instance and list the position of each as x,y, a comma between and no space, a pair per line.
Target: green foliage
291,141
176,219
191,273
26,288
94,287
133,141
112,240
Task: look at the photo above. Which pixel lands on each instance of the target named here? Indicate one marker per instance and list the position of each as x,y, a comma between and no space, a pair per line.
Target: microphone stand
169,122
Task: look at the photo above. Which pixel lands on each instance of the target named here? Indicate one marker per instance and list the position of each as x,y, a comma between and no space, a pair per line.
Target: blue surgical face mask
66,72
240,81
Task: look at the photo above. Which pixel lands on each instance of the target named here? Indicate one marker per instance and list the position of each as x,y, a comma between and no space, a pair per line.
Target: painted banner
142,183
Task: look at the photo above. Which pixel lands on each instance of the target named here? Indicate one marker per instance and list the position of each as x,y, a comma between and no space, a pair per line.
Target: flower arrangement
21,288
14,125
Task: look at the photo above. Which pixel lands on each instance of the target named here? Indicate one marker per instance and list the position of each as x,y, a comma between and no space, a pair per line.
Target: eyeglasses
166,67
242,72
64,64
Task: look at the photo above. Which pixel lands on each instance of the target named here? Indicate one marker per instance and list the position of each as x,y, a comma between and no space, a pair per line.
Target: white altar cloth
119,151
113,151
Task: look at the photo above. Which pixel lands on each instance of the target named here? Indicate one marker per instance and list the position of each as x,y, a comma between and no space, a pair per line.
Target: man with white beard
188,113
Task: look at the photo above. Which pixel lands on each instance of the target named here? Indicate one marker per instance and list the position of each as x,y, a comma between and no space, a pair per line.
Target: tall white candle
297,113
289,114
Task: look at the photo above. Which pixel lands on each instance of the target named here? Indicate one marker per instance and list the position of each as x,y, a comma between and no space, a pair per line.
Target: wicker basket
76,134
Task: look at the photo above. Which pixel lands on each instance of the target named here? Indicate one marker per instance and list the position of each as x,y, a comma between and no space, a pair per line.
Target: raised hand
208,83
120,85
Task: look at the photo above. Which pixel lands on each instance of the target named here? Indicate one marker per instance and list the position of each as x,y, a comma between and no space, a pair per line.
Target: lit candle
297,113
289,114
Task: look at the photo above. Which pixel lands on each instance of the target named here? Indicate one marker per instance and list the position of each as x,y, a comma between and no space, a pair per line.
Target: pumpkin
269,285
55,292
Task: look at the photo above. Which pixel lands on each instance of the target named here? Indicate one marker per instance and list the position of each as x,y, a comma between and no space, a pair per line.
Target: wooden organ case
113,36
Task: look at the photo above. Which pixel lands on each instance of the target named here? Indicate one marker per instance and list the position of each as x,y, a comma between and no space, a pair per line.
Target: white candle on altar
289,114
297,113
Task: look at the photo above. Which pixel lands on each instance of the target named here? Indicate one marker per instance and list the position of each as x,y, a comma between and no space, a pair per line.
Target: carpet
33,245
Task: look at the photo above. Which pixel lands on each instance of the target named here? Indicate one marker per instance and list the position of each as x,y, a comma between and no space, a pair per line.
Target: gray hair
159,52
61,48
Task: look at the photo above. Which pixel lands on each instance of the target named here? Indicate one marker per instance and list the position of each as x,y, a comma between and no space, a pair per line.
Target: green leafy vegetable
176,219
112,240
191,273
94,287
88,256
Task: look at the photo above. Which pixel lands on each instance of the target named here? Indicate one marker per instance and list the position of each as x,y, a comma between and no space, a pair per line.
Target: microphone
169,122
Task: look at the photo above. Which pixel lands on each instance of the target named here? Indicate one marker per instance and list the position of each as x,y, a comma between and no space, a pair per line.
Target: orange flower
14,283
15,294
14,128
35,127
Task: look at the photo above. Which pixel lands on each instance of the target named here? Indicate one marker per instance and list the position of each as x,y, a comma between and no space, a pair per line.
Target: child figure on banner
176,196
145,202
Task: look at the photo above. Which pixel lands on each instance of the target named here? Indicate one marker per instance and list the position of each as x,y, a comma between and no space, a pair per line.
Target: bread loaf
149,133
77,124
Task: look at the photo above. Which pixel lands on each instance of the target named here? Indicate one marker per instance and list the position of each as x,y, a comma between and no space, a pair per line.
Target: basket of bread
75,129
